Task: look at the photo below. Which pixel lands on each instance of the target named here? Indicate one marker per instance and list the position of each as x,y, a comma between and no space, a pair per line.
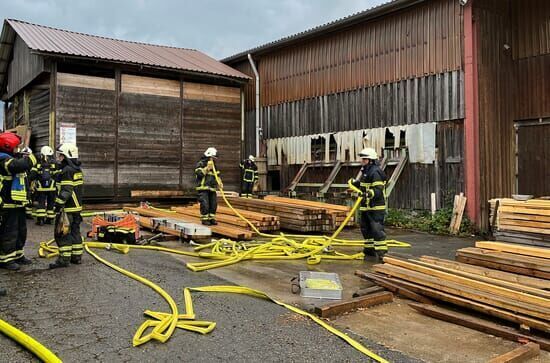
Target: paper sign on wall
67,133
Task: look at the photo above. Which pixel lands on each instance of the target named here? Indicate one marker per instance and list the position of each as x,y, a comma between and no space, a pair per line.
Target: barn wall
23,68
155,134
212,117
426,99
89,103
416,182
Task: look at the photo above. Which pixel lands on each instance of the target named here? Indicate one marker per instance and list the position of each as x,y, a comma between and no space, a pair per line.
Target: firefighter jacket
43,175
373,185
249,171
14,183
71,181
205,179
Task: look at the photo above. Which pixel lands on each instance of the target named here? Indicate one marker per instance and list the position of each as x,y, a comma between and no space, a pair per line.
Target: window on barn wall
533,157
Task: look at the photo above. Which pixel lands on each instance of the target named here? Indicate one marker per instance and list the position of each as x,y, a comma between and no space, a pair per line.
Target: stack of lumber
292,217
504,281
263,222
221,229
337,212
521,221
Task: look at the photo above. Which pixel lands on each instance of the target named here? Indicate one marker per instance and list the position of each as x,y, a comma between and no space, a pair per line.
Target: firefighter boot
76,260
24,261
11,266
60,263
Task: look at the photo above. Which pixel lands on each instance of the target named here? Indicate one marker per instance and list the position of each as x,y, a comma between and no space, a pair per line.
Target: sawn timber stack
521,221
220,229
301,218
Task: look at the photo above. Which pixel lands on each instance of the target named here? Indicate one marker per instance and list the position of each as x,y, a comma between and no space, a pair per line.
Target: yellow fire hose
33,346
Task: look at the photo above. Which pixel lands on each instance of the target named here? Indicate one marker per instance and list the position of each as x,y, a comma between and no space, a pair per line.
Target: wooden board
206,92
368,291
496,274
156,193
466,303
382,281
150,86
514,248
79,80
479,324
346,306
471,293
518,355
473,283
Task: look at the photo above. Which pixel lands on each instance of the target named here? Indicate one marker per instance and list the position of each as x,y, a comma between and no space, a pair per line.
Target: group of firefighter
48,187
371,182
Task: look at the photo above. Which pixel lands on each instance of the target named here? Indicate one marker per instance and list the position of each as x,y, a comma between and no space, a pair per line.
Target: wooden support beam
346,306
518,355
368,291
479,324
396,289
515,248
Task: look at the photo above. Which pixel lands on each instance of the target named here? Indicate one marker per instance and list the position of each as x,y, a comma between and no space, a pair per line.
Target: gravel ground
90,313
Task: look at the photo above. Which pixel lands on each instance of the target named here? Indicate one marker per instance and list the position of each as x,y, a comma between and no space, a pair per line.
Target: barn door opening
533,157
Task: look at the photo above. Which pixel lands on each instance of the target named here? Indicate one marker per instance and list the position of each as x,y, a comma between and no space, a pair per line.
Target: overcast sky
217,27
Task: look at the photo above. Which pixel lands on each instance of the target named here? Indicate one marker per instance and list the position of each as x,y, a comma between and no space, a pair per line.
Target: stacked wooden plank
337,212
222,229
292,217
263,222
521,221
506,281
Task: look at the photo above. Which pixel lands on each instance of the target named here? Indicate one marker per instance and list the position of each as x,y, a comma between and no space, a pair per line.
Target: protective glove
58,208
26,151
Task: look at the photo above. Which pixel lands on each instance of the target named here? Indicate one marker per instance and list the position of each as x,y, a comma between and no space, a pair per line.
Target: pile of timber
301,218
504,281
337,212
221,229
521,221
263,222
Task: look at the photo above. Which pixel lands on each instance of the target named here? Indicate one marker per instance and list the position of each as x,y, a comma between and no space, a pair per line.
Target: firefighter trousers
45,205
13,234
70,245
208,201
372,228
246,189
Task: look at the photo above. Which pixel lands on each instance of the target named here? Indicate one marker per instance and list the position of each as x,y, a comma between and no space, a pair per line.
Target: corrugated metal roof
380,10
63,42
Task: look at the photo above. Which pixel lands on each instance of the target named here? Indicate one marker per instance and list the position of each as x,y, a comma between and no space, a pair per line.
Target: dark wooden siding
531,21
534,160
496,82
417,181
149,142
23,68
92,110
426,99
424,39
212,124
39,116
533,86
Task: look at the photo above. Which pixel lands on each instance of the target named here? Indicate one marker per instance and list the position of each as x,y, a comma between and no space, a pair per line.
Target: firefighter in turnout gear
249,176
206,186
372,183
43,177
14,196
69,201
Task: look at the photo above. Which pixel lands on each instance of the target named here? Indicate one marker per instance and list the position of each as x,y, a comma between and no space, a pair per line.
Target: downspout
258,128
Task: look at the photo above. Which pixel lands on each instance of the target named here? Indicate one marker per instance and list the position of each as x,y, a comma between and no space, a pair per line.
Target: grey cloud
218,28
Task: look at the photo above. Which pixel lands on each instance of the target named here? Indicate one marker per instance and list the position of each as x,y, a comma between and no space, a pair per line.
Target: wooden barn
141,114
461,86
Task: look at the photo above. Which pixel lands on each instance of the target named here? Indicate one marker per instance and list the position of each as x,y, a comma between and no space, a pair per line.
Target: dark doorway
534,158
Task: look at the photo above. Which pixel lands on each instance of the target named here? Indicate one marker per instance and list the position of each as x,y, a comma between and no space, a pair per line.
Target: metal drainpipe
258,128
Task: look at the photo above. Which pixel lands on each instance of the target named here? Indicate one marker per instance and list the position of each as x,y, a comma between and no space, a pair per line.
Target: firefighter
249,176
43,177
69,200
372,183
14,196
206,186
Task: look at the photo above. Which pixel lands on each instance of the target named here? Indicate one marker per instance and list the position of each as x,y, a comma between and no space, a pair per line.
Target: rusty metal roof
350,20
68,43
